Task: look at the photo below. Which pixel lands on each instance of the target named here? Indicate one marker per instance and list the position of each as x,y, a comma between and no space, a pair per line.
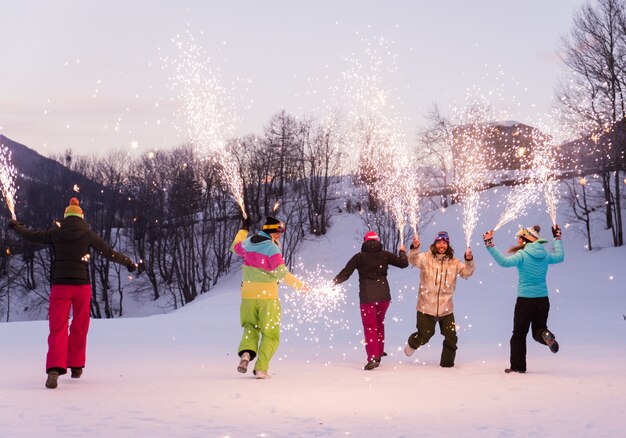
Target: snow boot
408,350
51,381
550,340
511,370
76,373
243,363
260,374
374,363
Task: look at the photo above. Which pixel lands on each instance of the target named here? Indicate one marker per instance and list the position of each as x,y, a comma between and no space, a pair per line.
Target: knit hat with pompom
530,234
74,209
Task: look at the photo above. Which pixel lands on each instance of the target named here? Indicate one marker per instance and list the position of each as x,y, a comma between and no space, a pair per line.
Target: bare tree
319,148
594,54
435,148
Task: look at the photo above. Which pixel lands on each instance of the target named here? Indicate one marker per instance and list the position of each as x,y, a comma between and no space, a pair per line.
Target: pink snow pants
373,317
68,350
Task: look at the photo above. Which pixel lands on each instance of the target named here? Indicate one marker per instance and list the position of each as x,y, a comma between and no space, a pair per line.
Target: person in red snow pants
68,351
71,289
374,294
373,317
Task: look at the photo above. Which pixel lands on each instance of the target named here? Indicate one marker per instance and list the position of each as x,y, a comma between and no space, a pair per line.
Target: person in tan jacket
438,271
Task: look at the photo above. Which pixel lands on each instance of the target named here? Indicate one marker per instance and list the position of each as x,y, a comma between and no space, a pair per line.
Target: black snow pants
529,312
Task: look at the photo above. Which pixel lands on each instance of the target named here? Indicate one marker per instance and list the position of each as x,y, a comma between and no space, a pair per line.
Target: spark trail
208,109
7,179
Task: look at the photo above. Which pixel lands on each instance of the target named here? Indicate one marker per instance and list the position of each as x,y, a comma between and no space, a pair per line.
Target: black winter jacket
71,242
372,264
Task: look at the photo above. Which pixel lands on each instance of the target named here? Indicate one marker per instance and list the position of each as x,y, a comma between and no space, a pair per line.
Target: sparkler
321,308
412,198
208,108
7,179
518,201
544,170
376,142
473,149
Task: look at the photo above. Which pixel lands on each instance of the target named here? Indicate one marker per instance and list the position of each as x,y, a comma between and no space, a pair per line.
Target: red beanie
370,235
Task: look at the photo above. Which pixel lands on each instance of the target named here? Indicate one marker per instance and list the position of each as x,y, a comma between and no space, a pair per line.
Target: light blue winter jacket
532,265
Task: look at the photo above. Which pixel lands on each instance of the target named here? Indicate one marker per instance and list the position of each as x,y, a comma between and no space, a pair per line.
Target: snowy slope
175,374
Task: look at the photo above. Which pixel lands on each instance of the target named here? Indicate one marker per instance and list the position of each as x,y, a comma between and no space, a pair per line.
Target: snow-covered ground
175,374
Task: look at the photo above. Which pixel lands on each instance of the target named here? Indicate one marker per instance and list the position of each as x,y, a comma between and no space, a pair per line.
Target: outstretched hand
488,238
468,254
416,242
556,231
245,222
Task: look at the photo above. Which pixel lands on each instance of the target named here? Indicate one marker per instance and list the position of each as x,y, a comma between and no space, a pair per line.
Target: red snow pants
373,317
68,349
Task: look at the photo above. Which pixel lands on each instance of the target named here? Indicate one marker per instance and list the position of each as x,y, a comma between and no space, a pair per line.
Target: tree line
171,210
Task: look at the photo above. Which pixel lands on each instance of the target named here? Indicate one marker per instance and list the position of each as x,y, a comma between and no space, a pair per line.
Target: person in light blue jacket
531,259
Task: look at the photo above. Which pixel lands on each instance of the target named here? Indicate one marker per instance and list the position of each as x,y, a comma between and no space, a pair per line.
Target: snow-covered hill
175,374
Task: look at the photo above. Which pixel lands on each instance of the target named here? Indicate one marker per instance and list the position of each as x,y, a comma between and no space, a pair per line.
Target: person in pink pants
71,288
374,294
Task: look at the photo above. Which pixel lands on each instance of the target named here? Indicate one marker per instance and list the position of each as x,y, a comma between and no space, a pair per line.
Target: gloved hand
488,238
415,243
245,222
468,255
132,267
556,231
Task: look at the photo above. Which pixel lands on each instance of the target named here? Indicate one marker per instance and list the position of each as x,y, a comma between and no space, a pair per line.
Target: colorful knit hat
273,225
370,235
530,234
74,209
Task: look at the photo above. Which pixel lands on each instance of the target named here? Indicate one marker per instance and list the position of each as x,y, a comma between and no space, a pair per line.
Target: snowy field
175,374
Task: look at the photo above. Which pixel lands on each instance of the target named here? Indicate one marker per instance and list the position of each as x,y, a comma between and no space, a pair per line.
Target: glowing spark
76,188
543,170
471,141
318,310
520,198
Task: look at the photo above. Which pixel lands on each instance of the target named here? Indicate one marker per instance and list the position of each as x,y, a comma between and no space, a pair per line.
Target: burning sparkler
544,171
320,309
208,108
7,179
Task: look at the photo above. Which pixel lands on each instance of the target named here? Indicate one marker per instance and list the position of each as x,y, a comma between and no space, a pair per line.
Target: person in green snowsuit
260,312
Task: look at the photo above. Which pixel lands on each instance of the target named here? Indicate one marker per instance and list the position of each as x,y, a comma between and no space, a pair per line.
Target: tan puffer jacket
438,280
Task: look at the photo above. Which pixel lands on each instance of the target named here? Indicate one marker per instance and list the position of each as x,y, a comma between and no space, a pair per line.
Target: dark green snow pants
426,329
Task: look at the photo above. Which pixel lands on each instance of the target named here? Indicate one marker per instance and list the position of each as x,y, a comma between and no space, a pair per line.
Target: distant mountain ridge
44,185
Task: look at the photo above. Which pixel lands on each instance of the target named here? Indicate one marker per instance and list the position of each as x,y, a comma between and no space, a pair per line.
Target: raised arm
347,271
109,253
501,259
558,255
399,260
31,235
